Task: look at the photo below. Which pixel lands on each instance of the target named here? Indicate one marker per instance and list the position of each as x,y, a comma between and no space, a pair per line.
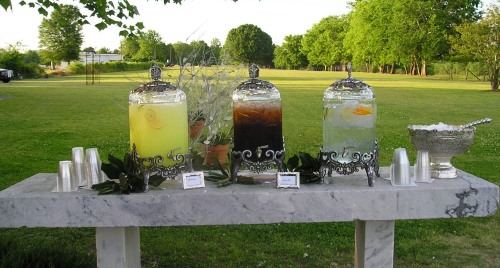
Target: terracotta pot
196,129
212,152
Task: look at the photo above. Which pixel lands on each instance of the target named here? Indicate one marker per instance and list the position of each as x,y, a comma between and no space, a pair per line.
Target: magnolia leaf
107,187
156,180
117,162
308,162
214,176
307,166
112,171
129,164
292,163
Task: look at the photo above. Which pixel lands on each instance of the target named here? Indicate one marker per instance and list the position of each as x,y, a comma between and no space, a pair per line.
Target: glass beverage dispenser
258,137
349,123
158,127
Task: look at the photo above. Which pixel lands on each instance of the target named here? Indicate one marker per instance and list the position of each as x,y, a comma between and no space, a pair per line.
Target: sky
190,21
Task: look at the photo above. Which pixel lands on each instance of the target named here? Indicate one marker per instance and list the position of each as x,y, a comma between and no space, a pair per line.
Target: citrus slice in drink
150,114
362,110
157,124
346,114
152,119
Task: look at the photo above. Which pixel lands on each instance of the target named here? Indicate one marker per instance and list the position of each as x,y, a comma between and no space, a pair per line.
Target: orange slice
363,110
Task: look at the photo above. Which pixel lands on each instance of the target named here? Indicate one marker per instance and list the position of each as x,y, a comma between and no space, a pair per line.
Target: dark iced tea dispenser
258,136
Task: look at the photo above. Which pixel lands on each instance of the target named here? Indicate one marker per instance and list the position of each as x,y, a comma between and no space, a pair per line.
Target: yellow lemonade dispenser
159,127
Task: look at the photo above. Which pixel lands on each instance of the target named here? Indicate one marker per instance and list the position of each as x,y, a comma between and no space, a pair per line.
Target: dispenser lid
255,89
156,85
349,83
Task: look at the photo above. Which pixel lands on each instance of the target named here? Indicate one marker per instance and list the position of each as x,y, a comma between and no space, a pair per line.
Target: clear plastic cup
422,167
400,168
93,173
65,176
78,159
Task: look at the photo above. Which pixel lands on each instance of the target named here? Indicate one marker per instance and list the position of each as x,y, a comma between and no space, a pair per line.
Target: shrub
76,68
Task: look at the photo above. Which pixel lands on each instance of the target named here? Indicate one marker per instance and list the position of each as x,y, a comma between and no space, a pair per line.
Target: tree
11,59
412,32
323,43
112,12
32,57
88,49
22,64
200,52
170,55
480,41
129,47
369,33
151,47
103,50
60,36
249,44
289,55
182,52
215,48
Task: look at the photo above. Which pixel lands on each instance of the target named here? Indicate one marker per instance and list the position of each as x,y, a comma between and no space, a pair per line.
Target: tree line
409,35
376,35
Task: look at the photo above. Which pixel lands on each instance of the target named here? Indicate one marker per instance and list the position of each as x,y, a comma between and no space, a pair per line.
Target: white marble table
117,218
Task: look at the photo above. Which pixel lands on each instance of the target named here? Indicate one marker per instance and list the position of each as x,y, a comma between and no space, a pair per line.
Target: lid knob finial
253,71
155,73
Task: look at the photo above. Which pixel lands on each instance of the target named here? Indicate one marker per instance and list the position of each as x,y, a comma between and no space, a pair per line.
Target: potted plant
196,124
216,147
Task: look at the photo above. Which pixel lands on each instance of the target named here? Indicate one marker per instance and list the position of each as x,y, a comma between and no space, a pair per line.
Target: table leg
118,247
374,244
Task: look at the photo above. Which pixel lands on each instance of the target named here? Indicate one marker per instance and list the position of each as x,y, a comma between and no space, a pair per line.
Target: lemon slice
346,114
152,120
150,114
157,124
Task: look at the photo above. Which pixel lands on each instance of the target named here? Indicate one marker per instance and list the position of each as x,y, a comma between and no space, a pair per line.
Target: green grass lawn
41,120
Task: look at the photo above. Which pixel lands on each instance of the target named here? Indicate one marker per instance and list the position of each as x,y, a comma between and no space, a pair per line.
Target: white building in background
89,58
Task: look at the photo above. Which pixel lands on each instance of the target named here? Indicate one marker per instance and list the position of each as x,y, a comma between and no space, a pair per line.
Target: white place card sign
193,180
288,180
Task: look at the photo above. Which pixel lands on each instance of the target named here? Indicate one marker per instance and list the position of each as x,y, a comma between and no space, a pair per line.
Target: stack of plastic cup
93,173
65,177
422,167
400,168
78,159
